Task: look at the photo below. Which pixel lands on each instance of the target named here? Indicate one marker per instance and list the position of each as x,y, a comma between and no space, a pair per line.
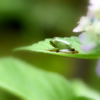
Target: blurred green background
24,22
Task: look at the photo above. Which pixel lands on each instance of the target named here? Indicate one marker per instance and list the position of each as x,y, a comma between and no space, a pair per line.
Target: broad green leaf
26,82
84,92
30,83
45,47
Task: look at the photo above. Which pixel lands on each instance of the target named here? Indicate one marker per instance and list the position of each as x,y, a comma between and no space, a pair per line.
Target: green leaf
30,83
83,92
82,98
26,82
45,47
4,95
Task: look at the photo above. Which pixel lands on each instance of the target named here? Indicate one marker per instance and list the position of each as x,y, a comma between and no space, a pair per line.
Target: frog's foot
53,50
68,51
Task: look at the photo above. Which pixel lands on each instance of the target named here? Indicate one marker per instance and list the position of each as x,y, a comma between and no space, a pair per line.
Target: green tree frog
62,46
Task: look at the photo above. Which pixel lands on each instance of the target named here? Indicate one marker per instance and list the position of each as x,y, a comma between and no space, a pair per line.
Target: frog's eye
52,44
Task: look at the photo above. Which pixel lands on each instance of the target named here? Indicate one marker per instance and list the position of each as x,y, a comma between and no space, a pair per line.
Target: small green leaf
30,83
45,47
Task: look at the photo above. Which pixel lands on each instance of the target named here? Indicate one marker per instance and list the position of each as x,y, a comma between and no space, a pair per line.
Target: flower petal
94,2
83,23
98,67
87,47
87,42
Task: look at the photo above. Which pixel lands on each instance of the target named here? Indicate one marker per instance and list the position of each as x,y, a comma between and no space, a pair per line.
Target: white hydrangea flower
94,2
98,67
94,8
94,29
87,41
83,23
90,26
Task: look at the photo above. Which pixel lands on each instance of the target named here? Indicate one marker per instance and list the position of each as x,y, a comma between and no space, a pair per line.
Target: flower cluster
89,25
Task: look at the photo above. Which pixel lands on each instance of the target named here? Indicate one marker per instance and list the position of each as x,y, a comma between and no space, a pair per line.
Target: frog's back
62,44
